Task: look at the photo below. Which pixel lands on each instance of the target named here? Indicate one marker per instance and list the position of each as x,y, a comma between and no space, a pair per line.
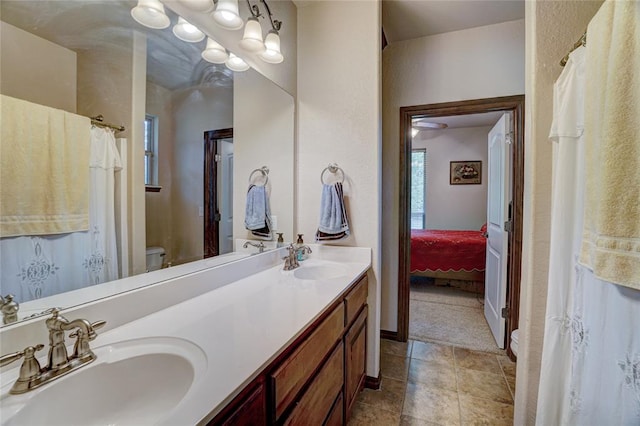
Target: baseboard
391,335
372,382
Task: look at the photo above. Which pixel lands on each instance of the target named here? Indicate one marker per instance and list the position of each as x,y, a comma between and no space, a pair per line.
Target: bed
448,254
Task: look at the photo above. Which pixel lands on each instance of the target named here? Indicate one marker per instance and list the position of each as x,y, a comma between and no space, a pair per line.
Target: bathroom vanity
240,343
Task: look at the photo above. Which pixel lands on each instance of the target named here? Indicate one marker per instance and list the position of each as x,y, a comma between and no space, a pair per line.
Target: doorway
512,104
218,202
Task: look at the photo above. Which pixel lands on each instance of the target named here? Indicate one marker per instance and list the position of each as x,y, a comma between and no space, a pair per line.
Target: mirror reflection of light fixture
214,52
150,13
227,16
198,5
187,32
420,125
235,63
414,132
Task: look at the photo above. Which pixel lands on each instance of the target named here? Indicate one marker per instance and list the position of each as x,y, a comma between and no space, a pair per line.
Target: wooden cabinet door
355,358
249,411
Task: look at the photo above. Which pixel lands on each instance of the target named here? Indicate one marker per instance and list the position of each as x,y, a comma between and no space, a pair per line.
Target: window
150,150
418,188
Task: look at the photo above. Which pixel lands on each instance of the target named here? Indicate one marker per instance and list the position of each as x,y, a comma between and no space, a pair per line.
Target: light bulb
187,32
272,52
150,13
236,64
214,52
252,39
226,15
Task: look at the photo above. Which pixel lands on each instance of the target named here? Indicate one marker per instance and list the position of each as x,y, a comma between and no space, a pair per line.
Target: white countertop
241,326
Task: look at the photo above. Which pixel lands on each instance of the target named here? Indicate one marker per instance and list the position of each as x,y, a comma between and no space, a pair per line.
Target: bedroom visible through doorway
449,181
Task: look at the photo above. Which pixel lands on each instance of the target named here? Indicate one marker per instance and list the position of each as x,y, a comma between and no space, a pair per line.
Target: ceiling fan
422,124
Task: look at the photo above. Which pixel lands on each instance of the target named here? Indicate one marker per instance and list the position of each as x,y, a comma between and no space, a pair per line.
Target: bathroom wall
481,62
552,28
454,206
36,70
158,204
195,110
263,139
339,121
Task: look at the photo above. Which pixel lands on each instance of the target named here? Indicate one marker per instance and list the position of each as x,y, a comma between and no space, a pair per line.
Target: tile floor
433,384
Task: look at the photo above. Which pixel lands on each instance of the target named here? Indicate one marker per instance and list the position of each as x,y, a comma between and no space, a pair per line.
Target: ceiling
408,19
77,25
467,120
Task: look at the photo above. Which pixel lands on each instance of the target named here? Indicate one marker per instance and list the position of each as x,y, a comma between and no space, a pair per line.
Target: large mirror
186,122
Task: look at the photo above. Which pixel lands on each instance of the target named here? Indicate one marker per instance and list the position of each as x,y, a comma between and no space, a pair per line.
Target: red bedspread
446,251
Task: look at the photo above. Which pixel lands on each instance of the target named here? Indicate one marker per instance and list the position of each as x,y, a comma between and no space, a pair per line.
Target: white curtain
40,266
590,373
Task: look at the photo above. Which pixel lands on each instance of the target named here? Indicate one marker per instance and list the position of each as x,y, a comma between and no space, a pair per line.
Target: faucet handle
26,352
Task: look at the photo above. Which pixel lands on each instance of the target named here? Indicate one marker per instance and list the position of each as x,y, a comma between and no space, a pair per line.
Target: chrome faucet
59,362
9,308
260,246
291,259
302,251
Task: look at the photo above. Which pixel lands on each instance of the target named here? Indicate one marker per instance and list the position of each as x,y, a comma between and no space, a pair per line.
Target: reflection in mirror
80,204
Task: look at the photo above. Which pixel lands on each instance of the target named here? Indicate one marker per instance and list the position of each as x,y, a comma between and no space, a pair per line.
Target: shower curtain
40,266
590,372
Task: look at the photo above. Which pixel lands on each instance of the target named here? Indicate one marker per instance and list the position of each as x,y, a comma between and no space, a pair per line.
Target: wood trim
372,382
211,208
506,103
390,335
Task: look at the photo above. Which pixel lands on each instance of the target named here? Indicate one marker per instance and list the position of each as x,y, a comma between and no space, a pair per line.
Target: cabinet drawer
355,299
294,372
252,411
315,405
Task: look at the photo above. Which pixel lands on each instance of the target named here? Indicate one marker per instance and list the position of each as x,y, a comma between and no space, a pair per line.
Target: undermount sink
323,271
130,383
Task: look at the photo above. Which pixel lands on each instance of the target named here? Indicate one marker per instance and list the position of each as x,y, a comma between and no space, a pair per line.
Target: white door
225,194
498,199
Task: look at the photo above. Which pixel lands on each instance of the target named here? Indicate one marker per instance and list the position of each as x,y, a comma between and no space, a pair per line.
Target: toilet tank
155,258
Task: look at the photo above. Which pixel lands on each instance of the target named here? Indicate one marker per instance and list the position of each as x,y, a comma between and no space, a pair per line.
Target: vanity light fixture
272,53
414,132
252,38
150,13
235,63
227,16
214,52
187,32
198,5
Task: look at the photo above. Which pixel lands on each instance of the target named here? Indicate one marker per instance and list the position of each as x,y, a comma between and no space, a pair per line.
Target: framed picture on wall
465,172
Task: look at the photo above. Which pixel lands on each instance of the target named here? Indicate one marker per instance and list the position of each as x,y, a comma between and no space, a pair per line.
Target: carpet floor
449,316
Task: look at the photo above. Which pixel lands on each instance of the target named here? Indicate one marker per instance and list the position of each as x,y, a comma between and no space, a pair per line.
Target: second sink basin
130,383
319,271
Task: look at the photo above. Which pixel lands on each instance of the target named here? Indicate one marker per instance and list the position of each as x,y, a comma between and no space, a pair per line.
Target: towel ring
333,168
265,173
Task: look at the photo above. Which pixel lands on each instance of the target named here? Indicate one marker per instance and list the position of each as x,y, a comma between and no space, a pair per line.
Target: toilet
155,258
514,341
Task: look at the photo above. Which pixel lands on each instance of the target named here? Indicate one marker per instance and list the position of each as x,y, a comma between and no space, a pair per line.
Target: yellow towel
44,170
611,237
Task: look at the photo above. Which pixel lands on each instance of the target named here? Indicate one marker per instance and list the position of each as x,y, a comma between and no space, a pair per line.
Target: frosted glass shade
187,32
252,39
226,15
150,13
198,5
272,52
214,52
236,64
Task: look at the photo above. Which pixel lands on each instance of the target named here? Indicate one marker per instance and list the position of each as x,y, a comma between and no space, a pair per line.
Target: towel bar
265,173
333,168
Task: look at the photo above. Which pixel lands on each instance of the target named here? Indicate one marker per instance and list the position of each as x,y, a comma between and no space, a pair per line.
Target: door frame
211,209
514,104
